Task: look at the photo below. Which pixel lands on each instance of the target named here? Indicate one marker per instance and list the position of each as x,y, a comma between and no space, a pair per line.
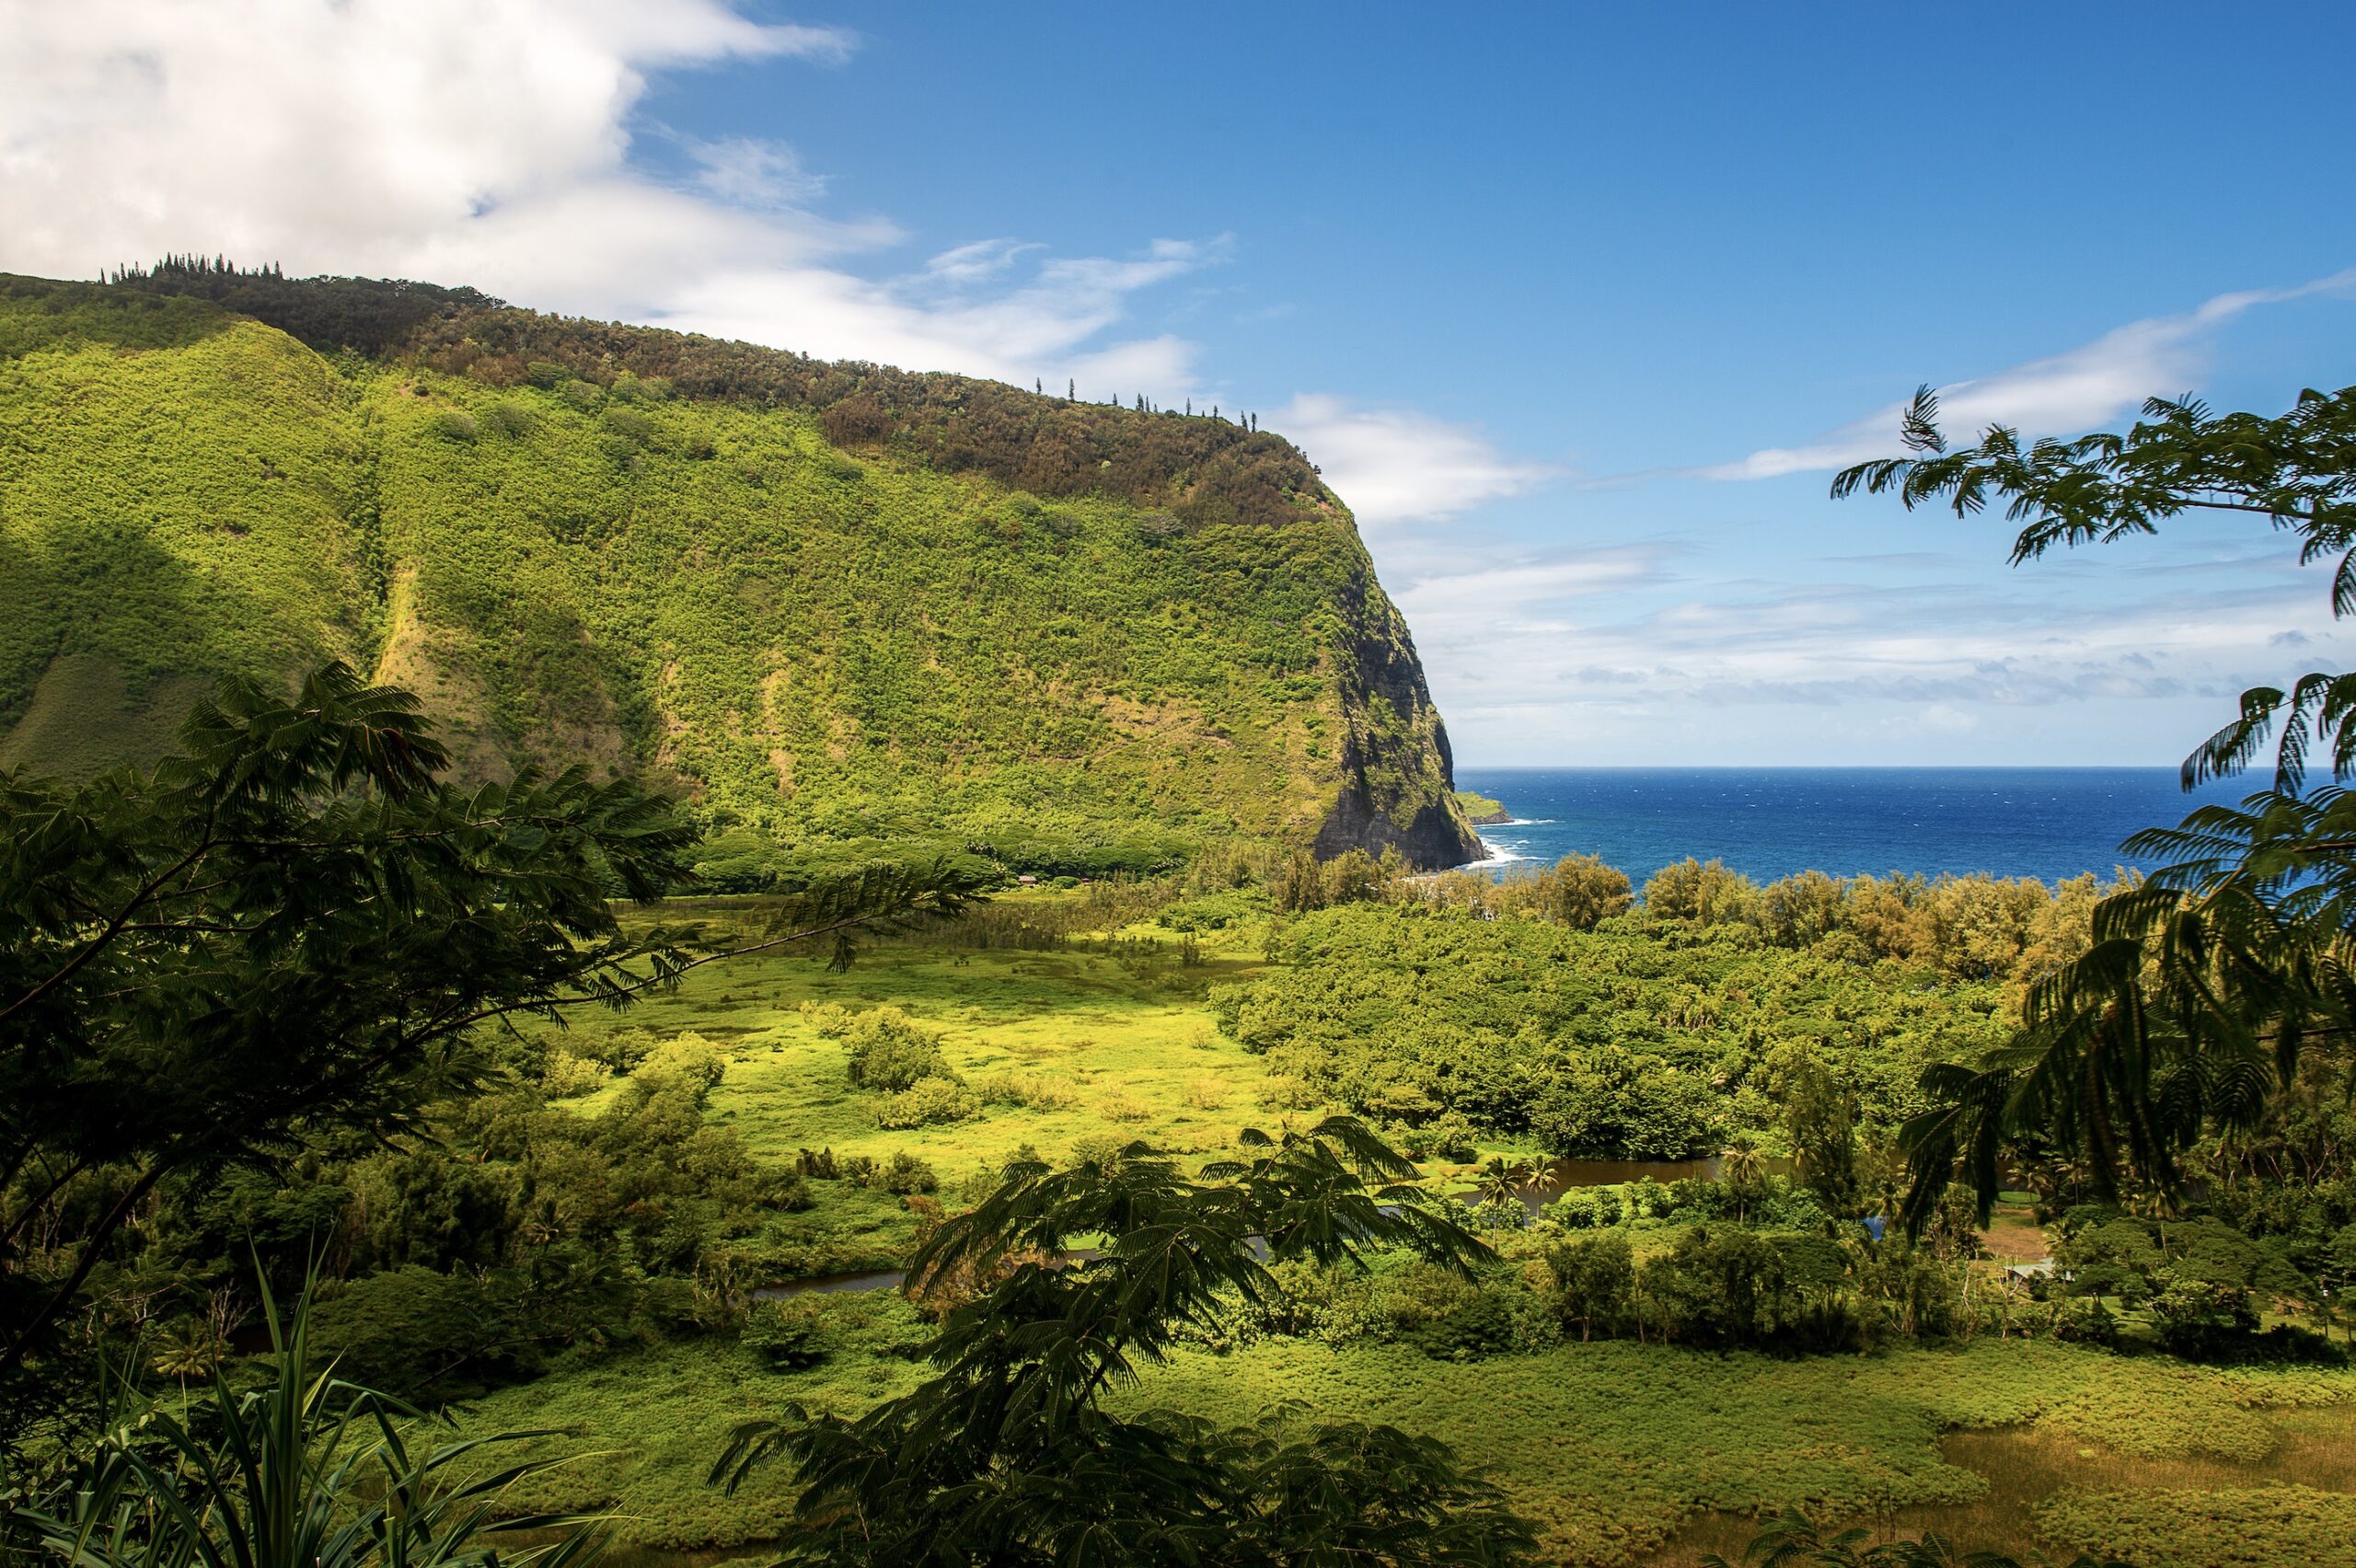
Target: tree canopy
2213,984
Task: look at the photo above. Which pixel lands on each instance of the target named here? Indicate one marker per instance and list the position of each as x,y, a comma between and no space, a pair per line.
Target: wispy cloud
1654,651
1394,466
2063,393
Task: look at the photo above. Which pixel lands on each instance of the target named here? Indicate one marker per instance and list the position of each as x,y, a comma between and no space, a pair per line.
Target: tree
294,928
1822,1121
2207,986
1006,1455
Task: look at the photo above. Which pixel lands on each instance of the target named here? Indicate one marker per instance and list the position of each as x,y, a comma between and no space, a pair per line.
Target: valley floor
1622,1453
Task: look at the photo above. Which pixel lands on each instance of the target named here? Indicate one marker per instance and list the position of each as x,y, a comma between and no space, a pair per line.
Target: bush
891,1052
1026,1091
686,1062
1595,1284
631,425
2086,1321
788,1336
1722,1288
828,1020
419,1334
1486,1325
2201,1322
508,419
455,424
904,1173
927,1103
1122,1106
567,1076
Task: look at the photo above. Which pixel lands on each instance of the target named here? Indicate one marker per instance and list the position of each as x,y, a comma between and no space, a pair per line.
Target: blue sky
1577,305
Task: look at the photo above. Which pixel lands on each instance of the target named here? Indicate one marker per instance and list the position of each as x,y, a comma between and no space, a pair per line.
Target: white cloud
1653,652
1483,596
753,171
492,144
2062,393
1393,466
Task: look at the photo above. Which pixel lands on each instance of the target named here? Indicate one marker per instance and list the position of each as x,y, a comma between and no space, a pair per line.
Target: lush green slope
830,600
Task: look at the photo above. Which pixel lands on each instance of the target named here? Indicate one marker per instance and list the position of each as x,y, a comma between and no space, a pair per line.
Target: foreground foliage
304,1471
2210,987
295,938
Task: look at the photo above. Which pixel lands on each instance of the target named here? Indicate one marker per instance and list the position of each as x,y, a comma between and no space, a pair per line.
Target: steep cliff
824,600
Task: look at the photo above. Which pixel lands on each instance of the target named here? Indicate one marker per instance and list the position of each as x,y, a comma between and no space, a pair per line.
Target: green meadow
1621,1452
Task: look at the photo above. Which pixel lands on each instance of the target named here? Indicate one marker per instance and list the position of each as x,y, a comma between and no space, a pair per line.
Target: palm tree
1744,1170
189,1350
304,1471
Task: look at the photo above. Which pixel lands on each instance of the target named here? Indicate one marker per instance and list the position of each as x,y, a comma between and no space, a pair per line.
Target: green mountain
825,601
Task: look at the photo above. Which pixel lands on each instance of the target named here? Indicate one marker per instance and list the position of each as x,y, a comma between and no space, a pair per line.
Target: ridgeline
828,602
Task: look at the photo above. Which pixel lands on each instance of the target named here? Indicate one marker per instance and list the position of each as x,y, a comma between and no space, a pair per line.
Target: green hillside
825,601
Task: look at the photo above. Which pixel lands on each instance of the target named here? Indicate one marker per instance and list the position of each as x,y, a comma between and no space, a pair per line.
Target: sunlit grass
1622,1453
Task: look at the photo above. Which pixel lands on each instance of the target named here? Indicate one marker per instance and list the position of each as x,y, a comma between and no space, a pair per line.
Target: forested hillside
826,601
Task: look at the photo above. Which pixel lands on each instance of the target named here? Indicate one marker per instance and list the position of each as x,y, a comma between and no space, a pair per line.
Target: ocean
2048,822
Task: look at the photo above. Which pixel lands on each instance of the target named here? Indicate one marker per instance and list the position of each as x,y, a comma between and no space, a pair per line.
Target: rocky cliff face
824,601
1398,775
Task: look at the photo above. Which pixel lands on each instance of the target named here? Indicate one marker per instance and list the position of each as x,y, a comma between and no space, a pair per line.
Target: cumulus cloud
497,146
2061,393
1393,466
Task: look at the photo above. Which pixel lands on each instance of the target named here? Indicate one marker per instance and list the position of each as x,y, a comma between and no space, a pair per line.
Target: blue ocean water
2048,822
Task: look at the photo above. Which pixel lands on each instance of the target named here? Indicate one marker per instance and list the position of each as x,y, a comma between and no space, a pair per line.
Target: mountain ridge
824,600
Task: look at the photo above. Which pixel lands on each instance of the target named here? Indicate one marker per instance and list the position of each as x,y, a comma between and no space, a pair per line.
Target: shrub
419,1334
631,425
904,1173
2201,1322
1594,1281
455,424
687,1061
1205,1094
1122,1106
1101,1151
1026,1091
788,1336
926,1102
1726,1287
568,1075
828,1020
1491,1323
511,420
889,1051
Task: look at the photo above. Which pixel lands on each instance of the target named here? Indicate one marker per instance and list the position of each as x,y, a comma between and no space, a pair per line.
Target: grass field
1114,1045
1622,1453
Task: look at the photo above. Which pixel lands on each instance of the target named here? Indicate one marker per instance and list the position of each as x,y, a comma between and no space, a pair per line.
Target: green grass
1612,1449
1130,1039
1622,1453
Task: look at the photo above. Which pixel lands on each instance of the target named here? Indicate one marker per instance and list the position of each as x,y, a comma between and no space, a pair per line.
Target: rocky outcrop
1398,775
